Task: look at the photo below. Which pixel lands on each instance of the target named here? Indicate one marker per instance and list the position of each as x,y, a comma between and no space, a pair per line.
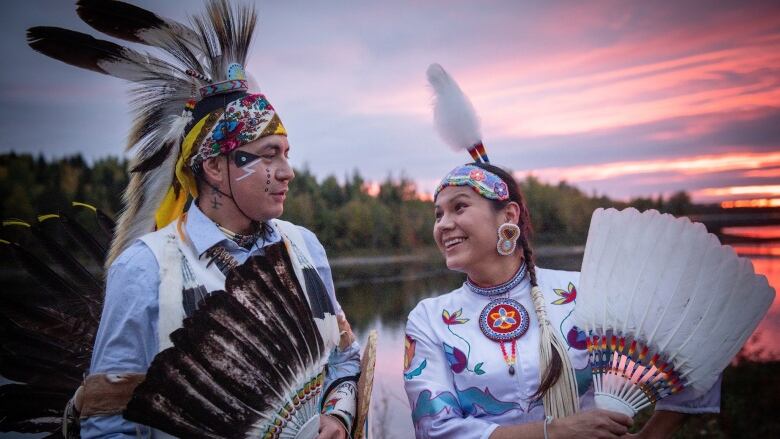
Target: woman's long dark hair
553,373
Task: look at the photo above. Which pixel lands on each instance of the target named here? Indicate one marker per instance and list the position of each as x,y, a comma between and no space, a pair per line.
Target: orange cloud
703,164
762,173
757,190
754,202
763,232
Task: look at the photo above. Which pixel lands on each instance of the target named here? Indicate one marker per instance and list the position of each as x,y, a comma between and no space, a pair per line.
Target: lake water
381,296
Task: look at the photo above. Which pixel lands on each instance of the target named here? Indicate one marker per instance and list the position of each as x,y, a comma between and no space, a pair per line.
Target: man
229,151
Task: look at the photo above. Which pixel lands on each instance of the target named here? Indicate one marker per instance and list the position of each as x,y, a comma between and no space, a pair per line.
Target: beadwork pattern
498,289
485,183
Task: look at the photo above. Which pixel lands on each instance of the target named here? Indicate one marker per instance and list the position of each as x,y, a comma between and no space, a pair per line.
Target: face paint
246,162
268,178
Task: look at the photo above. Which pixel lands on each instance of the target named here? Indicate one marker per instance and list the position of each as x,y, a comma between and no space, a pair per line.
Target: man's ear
213,170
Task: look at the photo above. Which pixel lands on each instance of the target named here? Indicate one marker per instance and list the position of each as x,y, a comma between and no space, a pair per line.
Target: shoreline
431,252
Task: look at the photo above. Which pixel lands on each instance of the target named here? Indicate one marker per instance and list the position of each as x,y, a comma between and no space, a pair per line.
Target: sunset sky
619,98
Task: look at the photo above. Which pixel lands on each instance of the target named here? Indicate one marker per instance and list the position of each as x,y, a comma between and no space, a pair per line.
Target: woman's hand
600,424
331,428
661,425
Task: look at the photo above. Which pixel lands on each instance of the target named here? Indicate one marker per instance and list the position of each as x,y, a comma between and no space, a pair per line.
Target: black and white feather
249,362
161,86
49,313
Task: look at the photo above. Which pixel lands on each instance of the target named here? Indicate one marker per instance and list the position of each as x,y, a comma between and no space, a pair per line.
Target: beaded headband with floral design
244,120
485,183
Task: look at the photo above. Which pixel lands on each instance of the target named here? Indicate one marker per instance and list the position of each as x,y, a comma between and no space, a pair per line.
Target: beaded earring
507,238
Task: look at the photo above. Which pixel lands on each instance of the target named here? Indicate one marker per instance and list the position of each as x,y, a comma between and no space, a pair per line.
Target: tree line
344,215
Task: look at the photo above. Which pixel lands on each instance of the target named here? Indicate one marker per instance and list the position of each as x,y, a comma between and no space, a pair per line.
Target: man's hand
347,337
331,428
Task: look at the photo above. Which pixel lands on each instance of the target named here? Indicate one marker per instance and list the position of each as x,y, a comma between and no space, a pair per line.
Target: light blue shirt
127,340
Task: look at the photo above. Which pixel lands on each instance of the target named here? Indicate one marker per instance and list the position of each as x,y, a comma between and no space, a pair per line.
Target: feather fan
665,305
48,318
248,363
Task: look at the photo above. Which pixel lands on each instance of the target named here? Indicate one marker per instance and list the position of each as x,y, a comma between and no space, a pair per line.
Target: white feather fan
665,306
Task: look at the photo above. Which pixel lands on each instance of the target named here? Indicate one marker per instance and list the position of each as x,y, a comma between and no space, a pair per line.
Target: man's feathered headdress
181,99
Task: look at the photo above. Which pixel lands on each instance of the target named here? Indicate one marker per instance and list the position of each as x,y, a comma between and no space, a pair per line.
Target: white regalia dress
458,382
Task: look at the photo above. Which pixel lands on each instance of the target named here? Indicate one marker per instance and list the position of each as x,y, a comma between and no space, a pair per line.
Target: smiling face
258,176
465,229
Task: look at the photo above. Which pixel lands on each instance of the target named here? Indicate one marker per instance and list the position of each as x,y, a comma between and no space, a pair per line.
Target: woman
473,366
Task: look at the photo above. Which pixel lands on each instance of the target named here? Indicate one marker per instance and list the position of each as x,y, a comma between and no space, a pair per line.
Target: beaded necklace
245,241
501,288
503,320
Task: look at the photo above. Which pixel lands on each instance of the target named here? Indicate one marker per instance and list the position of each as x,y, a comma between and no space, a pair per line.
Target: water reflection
381,296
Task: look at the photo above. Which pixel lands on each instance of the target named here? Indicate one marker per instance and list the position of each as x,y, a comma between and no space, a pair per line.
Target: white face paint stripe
248,170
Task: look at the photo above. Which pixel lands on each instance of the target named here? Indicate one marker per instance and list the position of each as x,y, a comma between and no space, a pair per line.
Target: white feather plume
667,284
453,114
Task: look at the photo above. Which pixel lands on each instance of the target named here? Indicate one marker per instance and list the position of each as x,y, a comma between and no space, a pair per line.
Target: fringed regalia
239,333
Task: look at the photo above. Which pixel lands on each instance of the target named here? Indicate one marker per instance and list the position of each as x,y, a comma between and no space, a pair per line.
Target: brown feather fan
49,316
249,362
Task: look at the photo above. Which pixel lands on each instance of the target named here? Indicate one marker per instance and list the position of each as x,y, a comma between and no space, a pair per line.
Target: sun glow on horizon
755,202
703,164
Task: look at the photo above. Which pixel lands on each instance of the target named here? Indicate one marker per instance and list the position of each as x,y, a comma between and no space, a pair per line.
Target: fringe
562,399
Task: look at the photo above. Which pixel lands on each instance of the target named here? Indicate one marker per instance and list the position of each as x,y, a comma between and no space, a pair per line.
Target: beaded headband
485,183
243,120
458,125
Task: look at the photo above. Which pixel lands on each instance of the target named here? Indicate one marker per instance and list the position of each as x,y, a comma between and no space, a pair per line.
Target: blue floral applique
457,360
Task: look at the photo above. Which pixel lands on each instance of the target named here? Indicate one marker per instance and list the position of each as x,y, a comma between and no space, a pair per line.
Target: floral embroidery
248,100
488,184
244,120
225,136
455,357
576,339
503,319
454,318
477,174
409,346
501,190
567,296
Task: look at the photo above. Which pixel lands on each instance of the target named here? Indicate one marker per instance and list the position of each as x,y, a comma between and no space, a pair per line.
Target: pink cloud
686,166
684,72
762,173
